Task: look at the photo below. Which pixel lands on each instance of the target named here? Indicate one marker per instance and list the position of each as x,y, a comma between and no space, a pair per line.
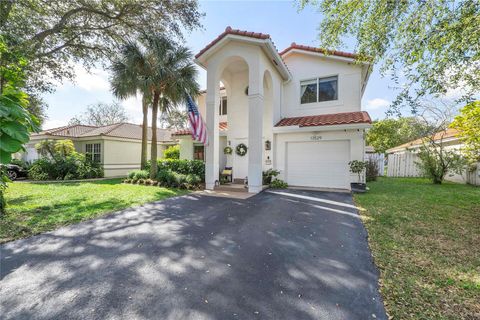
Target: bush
371,170
22,164
136,175
278,184
182,166
268,175
128,180
63,164
172,152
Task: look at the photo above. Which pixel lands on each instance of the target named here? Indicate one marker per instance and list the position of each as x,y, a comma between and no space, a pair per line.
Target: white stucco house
116,147
297,111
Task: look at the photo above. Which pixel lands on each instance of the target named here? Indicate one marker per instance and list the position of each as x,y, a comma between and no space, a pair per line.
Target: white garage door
318,164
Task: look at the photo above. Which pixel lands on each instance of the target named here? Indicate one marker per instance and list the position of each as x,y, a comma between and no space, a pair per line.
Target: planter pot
358,187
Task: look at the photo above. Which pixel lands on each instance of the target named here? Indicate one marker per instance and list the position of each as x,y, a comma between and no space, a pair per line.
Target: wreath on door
227,150
241,149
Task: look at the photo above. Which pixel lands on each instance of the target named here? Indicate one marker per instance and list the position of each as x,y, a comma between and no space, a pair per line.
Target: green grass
34,208
425,240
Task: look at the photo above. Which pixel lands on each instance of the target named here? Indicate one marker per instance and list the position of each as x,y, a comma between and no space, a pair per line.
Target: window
198,152
223,106
319,90
93,151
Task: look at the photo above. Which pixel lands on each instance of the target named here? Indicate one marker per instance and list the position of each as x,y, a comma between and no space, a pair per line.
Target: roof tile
326,119
319,50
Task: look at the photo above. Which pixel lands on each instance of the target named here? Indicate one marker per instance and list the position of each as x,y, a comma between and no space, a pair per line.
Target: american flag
199,129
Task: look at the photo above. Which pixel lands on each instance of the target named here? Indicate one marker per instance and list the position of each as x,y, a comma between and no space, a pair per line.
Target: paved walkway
283,255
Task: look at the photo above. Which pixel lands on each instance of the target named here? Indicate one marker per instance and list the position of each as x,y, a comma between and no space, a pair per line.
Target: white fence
403,165
380,159
473,177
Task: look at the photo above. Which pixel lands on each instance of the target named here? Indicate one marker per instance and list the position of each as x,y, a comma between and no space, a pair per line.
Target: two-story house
297,111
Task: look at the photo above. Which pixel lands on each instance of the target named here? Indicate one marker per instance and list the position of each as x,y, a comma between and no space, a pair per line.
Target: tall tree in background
427,46
127,79
468,125
389,133
176,119
101,114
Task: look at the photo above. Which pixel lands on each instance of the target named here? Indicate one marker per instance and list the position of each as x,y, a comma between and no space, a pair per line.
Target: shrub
182,166
166,178
42,169
435,162
268,175
371,170
136,175
149,182
141,181
128,180
172,152
357,167
22,164
278,184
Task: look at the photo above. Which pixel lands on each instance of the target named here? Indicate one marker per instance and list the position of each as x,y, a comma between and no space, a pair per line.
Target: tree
176,119
468,125
427,46
389,133
52,34
102,114
16,123
162,69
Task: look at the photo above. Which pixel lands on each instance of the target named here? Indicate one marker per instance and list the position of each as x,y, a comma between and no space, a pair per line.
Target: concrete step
231,187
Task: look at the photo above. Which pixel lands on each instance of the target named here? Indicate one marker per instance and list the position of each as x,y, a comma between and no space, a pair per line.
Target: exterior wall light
268,145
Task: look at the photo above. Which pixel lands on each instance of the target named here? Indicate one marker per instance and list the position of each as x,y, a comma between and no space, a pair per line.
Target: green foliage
172,152
268,175
389,133
22,164
426,47
169,178
468,124
61,162
52,34
278,184
435,162
371,170
357,167
136,175
182,166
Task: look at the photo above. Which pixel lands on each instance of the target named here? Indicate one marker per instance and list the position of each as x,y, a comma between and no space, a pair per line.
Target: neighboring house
403,158
298,111
117,147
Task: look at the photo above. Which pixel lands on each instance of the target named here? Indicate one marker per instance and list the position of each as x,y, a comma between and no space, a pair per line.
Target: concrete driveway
278,255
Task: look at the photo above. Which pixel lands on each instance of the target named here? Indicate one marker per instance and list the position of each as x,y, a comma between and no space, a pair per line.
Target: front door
240,163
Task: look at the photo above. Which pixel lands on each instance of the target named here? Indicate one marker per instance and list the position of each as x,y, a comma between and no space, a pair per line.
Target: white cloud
377,103
95,80
133,106
54,123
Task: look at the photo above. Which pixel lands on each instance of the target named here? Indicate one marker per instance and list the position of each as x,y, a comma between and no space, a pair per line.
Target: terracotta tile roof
229,30
222,126
68,131
119,130
445,134
326,119
319,50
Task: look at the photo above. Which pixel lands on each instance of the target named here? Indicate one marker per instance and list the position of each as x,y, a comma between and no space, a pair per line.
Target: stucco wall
305,67
356,139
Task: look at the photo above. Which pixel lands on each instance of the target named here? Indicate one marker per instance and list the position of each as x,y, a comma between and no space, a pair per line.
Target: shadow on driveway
278,255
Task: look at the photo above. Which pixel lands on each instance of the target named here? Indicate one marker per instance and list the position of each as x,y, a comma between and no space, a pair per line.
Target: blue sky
280,19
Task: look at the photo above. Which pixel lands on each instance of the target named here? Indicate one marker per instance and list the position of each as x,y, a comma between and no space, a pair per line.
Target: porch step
231,187
238,181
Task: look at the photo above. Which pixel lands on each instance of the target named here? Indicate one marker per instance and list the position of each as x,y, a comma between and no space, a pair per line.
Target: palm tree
127,80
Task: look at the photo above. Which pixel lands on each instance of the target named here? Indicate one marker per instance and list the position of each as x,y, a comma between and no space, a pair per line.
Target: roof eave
346,126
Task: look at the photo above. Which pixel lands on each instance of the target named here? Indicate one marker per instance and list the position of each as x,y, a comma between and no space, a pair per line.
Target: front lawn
34,208
425,240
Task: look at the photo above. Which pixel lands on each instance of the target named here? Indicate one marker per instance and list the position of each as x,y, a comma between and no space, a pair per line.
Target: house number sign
315,138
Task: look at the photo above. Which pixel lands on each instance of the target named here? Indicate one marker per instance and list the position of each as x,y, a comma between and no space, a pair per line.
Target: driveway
278,255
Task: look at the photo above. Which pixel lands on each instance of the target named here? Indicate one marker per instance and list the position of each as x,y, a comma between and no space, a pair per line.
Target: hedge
182,166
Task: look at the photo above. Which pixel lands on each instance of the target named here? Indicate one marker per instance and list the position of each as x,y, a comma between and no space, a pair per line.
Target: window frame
317,82
92,151
223,106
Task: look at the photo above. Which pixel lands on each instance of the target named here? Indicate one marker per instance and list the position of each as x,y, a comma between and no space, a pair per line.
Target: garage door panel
318,164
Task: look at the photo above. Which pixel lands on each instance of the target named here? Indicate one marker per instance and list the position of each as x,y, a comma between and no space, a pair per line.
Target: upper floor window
223,106
92,151
319,89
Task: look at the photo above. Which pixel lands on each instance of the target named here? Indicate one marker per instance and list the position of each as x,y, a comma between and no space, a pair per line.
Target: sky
280,19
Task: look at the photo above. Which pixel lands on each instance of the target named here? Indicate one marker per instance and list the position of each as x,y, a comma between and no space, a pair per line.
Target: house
117,147
402,159
297,111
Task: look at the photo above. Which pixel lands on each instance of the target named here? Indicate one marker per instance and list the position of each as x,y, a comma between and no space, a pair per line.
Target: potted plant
358,167
268,175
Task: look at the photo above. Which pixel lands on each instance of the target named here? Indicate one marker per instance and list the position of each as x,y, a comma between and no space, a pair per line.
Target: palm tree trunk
143,161
153,155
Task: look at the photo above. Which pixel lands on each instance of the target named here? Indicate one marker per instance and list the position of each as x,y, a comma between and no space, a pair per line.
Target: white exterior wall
186,147
306,67
355,138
